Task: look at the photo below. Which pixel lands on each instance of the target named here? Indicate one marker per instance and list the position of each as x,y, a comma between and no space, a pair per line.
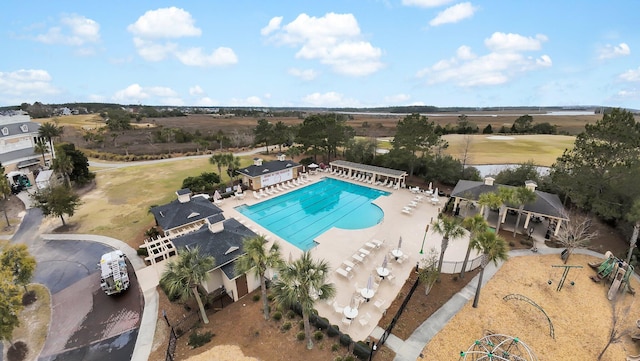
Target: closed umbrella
384,261
370,283
400,242
430,186
239,188
216,195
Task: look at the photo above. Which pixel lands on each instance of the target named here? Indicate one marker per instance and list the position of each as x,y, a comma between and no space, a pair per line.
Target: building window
24,128
5,131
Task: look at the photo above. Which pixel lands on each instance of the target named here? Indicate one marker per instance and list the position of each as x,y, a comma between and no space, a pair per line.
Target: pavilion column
526,221
504,216
555,233
455,202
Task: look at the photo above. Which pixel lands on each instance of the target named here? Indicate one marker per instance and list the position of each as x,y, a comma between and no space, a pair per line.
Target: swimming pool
301,215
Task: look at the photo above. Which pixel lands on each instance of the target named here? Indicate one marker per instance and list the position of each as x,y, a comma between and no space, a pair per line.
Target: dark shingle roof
7,157
545,204
15,128
268,167
225,246
176,214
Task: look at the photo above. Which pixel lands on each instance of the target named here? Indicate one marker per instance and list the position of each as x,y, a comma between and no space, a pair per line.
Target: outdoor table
367,293
396,253
382,272
350,313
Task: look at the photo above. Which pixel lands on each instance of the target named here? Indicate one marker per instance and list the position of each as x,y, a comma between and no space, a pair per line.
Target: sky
329,53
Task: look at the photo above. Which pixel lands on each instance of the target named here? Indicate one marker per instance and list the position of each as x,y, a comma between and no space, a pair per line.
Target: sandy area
581,314
223,353
500,137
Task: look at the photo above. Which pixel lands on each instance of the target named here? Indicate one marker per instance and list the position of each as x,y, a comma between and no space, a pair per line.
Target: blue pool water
301,215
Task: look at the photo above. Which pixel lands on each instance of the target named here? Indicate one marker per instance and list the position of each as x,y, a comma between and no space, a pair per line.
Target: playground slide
615,286
607,256
633,358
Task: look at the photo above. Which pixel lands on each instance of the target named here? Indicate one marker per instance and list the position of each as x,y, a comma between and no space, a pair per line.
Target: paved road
86,324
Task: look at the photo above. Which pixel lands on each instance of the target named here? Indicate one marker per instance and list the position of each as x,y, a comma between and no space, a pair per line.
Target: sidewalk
411,349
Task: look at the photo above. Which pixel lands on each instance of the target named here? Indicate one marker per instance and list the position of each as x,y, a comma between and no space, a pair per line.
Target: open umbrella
400,242
313,165
384,261
216,195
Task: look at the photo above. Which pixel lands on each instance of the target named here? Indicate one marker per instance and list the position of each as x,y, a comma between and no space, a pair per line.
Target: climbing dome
498,348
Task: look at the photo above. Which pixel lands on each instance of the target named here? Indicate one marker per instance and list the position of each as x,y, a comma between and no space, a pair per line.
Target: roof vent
232,249
257,162
281,157
530,185
193,214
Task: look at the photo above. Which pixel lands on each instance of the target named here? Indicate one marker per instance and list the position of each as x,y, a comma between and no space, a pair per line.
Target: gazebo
546,205
376,173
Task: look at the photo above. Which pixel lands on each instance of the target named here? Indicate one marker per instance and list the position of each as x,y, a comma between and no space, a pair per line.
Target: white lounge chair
406,211
255,195
364,319
344,273
380,304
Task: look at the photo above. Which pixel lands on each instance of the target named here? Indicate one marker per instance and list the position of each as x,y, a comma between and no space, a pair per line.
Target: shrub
322,323
318,335
270,297
198,339
277,315
29,297
512,244
301,324
285,326
300,336
335,347
361,350
349,358
142,252
256,297
338,358
333,331
345,340
18,351
291,314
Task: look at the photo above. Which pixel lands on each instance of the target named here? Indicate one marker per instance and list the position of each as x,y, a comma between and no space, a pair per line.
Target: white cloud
196,90
397,99
454,14
170,22
247,102
425,3
152,30
631,75
206,102
501,42
25,85
74,30
135,93
329,99
304,74
633,94
613,51
274,24
334,40
197,57
504,62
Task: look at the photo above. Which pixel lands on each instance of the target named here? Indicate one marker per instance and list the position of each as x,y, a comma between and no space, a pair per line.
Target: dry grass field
581,314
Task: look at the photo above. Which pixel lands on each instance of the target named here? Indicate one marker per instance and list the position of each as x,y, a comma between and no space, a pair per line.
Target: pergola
546,205
376,173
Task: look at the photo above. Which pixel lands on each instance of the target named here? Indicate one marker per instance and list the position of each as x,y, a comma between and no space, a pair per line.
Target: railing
187,323
171,348
456,267
389,328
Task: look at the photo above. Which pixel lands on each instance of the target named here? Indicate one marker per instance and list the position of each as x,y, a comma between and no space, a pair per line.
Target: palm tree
258,259
49,131
183,276
233,163
521,196
450,229
489,201
475,225
218,159
493,248
64,165
506,196
41,147
298,279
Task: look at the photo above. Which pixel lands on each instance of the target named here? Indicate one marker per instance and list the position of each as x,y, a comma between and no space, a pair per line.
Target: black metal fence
184,325
389,328
171,348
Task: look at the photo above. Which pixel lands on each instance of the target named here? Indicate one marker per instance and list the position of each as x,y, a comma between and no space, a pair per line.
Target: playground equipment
615,270
498,347
633,358
519,297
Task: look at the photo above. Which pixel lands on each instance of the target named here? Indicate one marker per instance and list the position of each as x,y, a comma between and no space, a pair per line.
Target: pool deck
337,245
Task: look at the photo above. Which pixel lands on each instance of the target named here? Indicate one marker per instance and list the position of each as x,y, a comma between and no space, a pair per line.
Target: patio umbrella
354,303
312,165
384,261
399,242
239,188
430,186
370,283
216,195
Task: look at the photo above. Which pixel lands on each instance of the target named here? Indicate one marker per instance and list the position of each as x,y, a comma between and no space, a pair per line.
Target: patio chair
391,277
406,211
337,307
364,320
380,304
256,195
346,321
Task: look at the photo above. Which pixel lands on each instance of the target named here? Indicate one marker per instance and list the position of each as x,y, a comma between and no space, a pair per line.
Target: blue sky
350,53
